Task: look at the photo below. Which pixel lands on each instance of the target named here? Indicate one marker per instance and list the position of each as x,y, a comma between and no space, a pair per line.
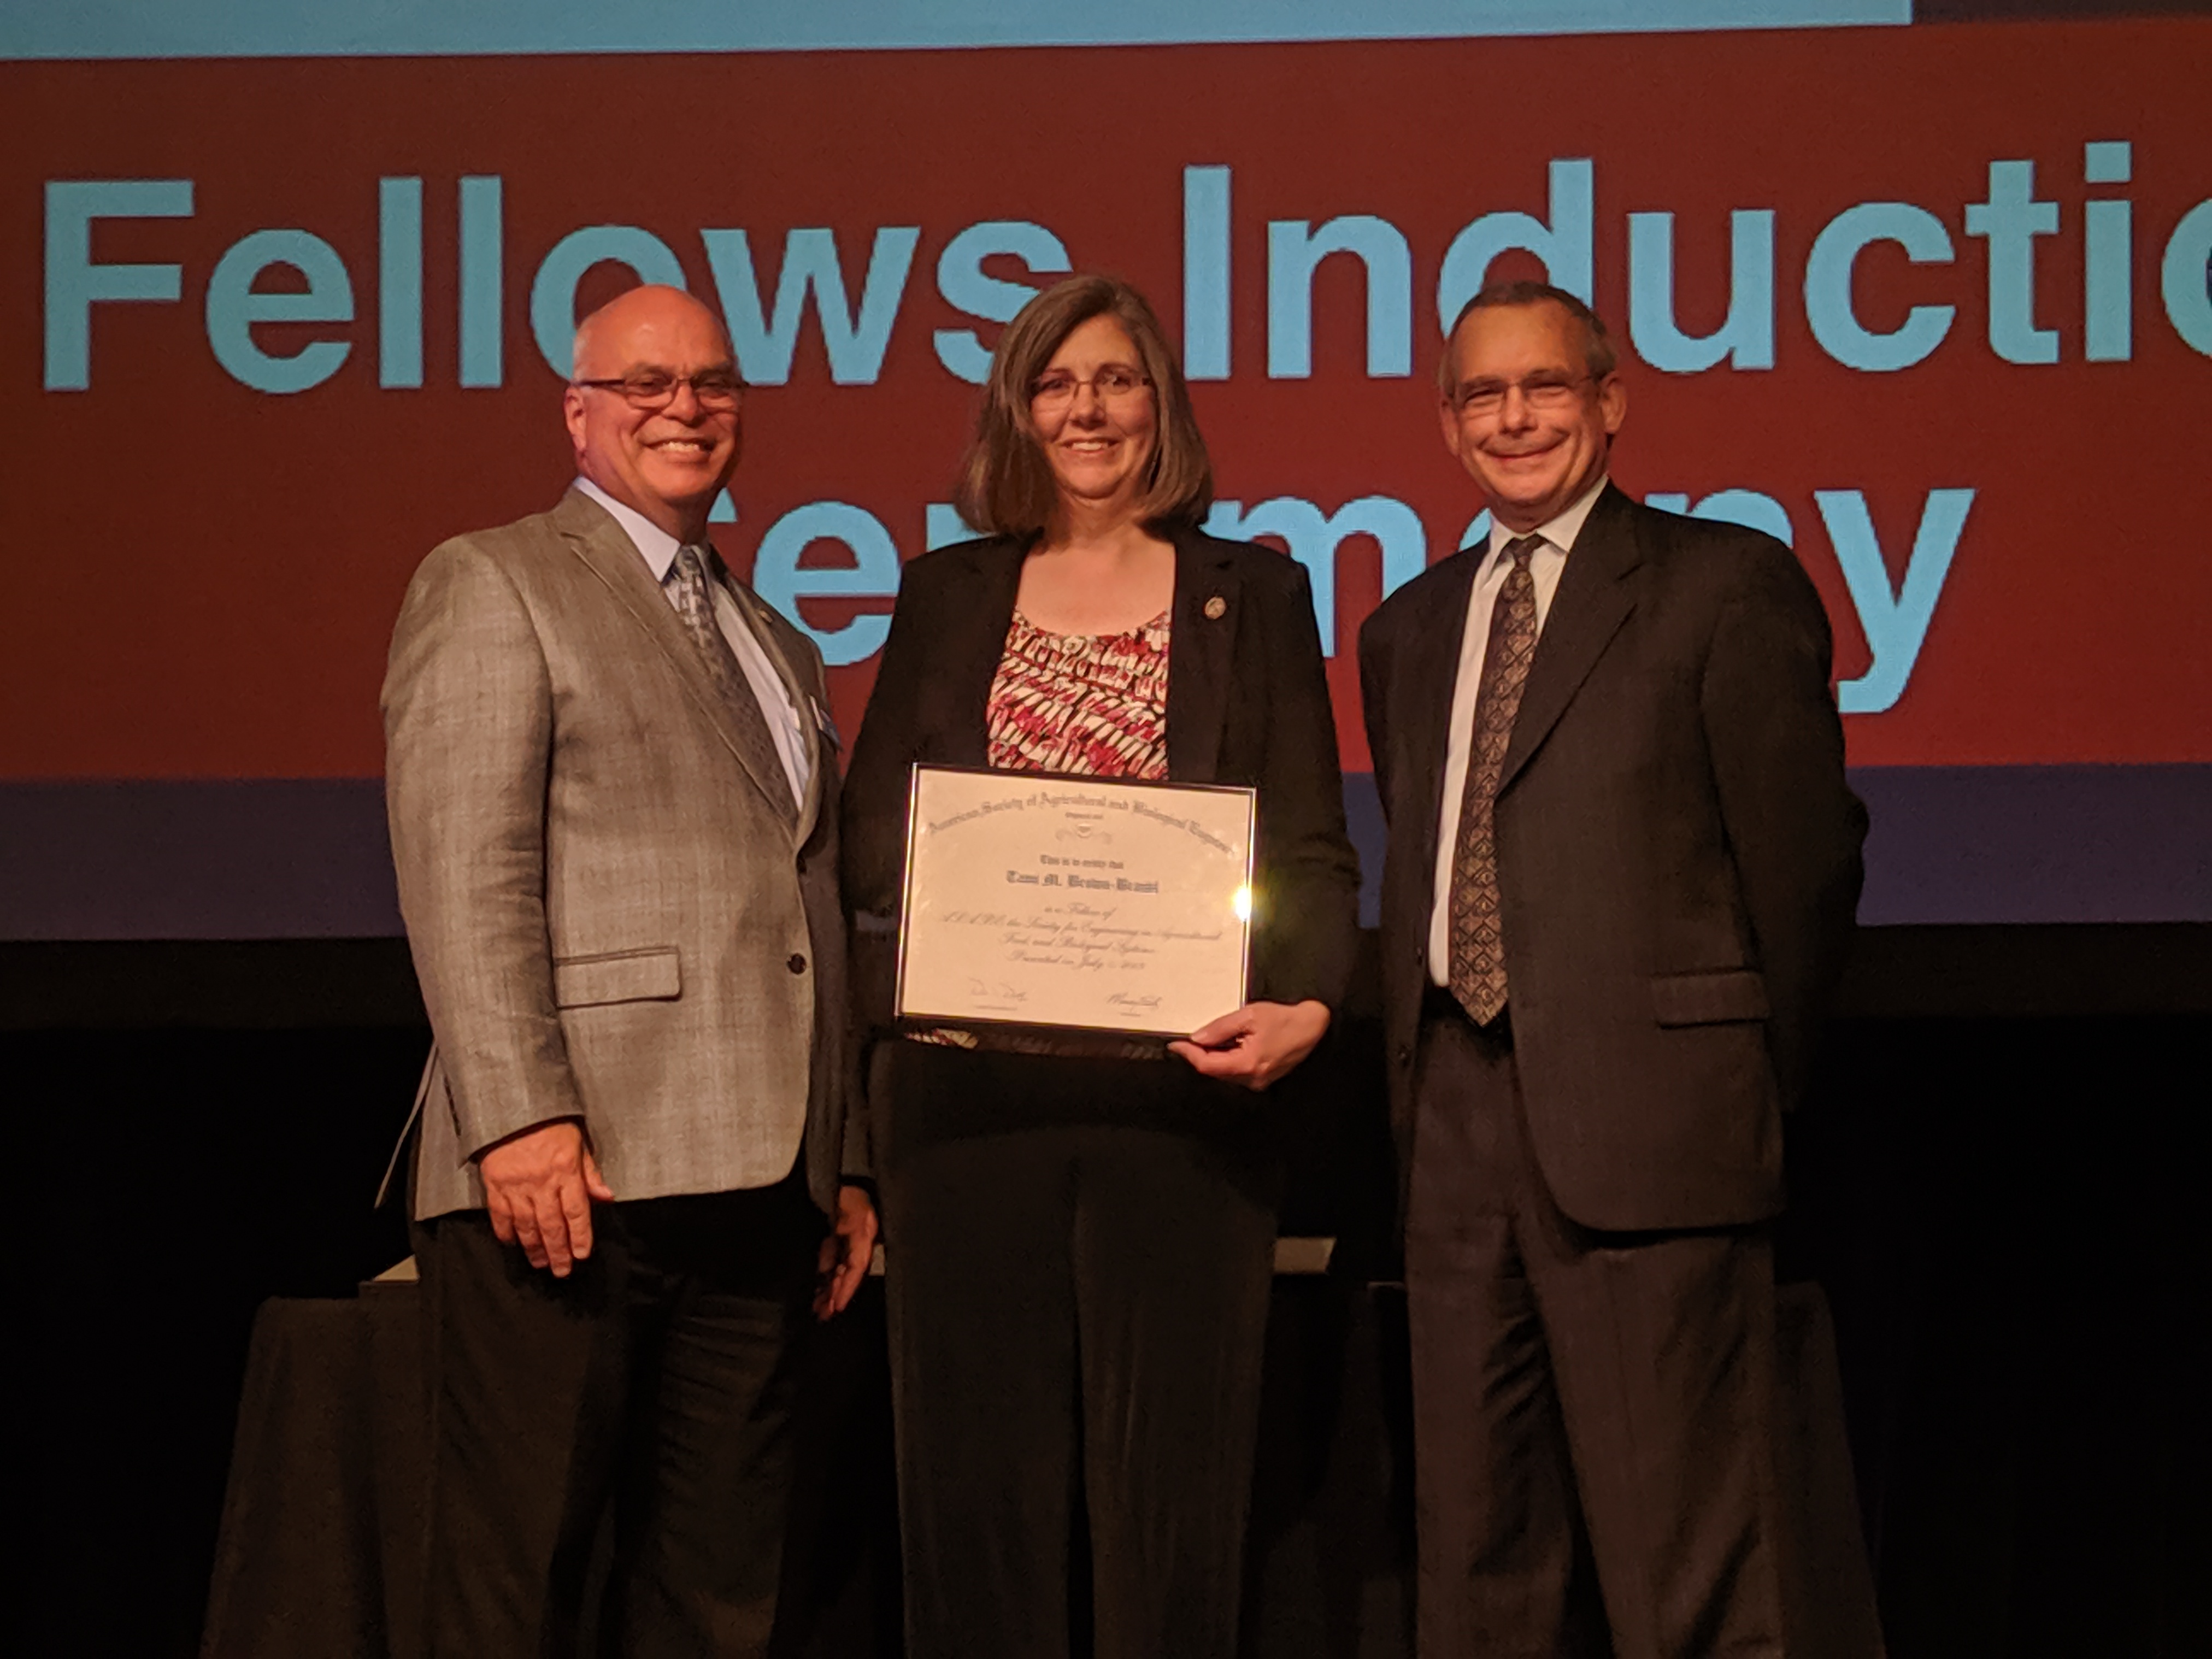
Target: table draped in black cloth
320,1547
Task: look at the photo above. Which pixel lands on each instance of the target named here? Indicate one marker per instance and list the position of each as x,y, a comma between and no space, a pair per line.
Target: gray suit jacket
609,919
1677,856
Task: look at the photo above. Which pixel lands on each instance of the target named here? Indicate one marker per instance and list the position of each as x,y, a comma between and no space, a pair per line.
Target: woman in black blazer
1080,1228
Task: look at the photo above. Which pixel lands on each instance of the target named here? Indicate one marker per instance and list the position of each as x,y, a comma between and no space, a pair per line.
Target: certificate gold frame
1035,899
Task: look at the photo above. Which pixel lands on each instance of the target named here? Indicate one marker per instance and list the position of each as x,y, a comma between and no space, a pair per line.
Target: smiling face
1532,457
1100,449
667,463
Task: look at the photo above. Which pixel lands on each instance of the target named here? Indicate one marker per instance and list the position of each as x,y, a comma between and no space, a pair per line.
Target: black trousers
1077,1309
651,1391
1579,1398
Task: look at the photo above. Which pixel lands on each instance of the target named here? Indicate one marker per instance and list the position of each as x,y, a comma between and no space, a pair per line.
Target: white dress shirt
789,730
1545,565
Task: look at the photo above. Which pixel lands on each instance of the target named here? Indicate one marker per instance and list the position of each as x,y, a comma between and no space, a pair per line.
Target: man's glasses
1545,391
1055,389
653,388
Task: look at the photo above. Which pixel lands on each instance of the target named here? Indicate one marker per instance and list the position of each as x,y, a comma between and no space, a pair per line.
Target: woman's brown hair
1006,486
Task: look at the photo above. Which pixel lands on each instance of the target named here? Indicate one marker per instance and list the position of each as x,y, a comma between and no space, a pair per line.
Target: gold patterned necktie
1478,932
692,586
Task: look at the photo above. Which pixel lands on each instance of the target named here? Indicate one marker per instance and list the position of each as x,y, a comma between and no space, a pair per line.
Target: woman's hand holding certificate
1257,1044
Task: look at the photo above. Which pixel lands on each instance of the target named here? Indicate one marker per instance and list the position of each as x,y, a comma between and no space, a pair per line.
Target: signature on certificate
996,996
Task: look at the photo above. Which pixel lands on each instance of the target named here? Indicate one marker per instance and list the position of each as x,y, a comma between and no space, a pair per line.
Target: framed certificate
1096,903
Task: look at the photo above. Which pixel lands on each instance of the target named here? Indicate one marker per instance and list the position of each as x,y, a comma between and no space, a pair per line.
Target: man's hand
1257,1044
540,1187
845,1252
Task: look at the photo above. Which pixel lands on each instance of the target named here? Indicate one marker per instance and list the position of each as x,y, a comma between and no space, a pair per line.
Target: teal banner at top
417,29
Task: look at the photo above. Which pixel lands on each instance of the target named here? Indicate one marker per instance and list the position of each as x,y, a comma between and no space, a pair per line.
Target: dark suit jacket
1248,703
1678,857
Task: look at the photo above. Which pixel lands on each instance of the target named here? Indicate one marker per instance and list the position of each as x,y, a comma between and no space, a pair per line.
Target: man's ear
1448,417
572,416
1612,404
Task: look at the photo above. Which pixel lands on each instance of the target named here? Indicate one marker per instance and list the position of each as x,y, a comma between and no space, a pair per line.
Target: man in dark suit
1623,866
613,801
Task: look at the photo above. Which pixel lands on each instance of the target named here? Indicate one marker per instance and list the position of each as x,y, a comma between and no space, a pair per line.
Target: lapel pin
1216,608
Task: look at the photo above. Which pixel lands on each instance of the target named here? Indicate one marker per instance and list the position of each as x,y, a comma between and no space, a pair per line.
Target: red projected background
1931,302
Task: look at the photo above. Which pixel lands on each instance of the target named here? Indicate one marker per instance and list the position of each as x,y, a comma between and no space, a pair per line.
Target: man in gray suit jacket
612,791
1623,865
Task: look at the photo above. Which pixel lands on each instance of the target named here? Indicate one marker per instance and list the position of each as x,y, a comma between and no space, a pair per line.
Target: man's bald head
661,448
654,306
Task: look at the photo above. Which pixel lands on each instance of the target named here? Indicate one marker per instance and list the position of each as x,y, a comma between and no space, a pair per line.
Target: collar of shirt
654,545
1559,531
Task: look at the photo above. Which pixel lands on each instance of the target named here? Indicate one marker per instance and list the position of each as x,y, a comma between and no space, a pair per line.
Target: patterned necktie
1477,933
693,589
